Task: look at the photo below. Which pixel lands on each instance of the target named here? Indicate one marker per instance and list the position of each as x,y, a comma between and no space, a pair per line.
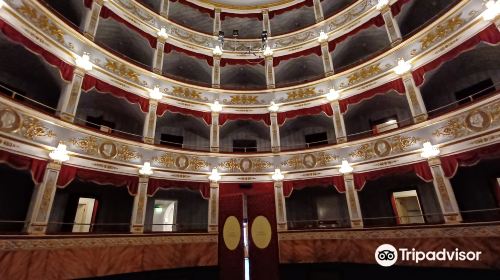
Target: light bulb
83,62
403,67
492,10
345,167
429,150
268,51
277,175
382,4
323,37
216,107
273,107
214,176
146,169
60,154
332,95
155,93
217,51
163,33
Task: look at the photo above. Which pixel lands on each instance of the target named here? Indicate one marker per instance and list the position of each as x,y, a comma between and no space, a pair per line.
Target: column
270,72
92,19
42,200
318,10
139,209
266,23
414,97
158,55
213,208
149,129
391,26
444,192
353,202
164,7
216,72
214,133
327,59
275,133
279,199
68,101
217,23
338,122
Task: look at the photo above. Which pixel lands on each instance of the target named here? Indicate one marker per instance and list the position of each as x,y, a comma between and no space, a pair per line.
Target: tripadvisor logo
387,255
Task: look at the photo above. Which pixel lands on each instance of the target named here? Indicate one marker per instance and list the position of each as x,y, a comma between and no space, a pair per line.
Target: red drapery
231,265
308,3
235,188
162,108
36,166
90,82
65,69
169,48
335,181
229,61
316,50
107,13
396,85
69,173
490,35
325,108
155,184
377,21
421,169
199,8
258,16
451,163
396,7
223,118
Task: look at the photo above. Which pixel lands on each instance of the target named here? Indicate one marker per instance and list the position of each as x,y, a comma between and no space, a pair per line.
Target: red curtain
236,188
336,181
316,50
69,173
396,85
90,82
308,3
65,69
377,21
162,108
258,16
155,184
451,163
169,48
199,8
107,13
490,35
422,170
88,3
223,118
325,108
229,61
396,7
36,166
231,265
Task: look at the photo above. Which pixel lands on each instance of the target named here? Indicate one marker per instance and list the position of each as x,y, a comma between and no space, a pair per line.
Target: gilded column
391,26
270,72
164,8
216,72
275,133
444,192
318,10
214,133
92,19
353,202
148,131
139,209
414,97
338,122
279,199
68,101
327,59
42,200
213,208
266,23
158,55
217,23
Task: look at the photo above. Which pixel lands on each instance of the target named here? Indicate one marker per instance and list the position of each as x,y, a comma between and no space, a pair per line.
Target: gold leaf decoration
364,152
323,159
364,73
166,160
401,143
441,31
259,165
453,128
34,128
301,94
195,163
121,70
42,22
232,165
294,162
126,154
87,144
187,93
243,100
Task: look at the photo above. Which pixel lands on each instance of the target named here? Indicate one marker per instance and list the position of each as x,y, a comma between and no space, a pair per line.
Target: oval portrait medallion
10,121
108,150
309,161
477,120
231,233
246,165
182,162
382,148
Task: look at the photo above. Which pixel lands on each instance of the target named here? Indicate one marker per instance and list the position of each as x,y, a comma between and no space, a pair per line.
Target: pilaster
338,122
414,97
216,72
68,101
164,8
270,72
214,133
149,129
217,22
327,59
275,133
318,10
279,199
158,56
139,208
92,19
266,23
353,202
213,208
391,26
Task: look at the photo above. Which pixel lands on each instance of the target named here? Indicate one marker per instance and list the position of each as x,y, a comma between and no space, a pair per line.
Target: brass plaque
231,233
261,232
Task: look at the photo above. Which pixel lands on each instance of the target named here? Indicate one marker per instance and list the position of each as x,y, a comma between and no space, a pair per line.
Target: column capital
54,165
214,185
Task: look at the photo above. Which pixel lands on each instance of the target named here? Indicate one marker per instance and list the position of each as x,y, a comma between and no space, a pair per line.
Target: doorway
165,215
85,214
407,207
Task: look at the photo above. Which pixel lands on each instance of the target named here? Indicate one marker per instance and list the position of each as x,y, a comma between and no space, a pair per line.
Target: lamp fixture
163,33
214,176
146,169
382,4
332,95
492,10
155,93
216,107
268,51
403,67
345,167
60,154
2,3
83,62
429,150
273,107
217,51
277,175
323,37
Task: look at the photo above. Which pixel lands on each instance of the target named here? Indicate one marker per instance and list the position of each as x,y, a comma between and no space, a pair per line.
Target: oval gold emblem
261,232
231,233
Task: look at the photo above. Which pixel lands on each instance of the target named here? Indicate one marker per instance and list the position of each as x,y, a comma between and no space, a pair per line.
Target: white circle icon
386,255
